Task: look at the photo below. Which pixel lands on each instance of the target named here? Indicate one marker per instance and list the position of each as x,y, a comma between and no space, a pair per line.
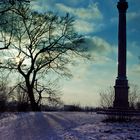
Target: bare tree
42,43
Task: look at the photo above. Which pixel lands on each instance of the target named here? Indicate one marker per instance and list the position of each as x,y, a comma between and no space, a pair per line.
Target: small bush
2,106
75,107
117,118
24,106
3,101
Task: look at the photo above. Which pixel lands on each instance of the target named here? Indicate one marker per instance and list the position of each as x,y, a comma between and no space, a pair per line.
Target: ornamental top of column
122,0
122,6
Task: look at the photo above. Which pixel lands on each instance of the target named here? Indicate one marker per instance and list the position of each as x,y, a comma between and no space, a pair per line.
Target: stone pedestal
121,94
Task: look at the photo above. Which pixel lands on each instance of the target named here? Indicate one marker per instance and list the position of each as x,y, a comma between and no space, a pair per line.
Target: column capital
122,0
122,6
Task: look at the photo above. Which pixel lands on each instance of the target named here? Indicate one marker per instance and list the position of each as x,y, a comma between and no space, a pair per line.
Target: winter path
64,126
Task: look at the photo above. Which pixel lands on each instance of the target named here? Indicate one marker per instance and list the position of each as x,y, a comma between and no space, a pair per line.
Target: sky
97,20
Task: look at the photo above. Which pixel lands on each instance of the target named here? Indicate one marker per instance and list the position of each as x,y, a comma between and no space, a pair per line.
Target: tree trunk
34,105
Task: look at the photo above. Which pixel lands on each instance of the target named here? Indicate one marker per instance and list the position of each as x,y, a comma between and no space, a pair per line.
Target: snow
64,126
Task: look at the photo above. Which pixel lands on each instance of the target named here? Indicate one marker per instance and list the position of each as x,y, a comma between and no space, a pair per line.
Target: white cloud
39,5
75,2
136,69
89,13
133,15
84,27
100,49
98,45
87,18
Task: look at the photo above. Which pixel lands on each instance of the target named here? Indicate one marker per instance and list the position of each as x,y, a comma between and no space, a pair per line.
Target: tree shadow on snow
33,127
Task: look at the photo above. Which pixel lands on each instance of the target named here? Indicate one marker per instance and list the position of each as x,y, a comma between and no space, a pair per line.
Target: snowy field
64,126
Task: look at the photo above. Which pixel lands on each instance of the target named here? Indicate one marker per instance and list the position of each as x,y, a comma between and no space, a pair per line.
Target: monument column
121,84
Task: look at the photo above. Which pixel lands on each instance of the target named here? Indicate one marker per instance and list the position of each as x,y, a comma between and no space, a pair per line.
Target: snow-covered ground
64,126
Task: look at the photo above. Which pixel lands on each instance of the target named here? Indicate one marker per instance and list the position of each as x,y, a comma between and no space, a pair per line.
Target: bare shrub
107,97
3,91
134,95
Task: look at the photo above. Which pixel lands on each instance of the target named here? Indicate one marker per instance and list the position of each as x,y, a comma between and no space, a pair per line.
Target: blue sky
97,20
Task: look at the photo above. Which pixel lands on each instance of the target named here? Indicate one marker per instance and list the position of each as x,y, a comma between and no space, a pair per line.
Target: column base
121,94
